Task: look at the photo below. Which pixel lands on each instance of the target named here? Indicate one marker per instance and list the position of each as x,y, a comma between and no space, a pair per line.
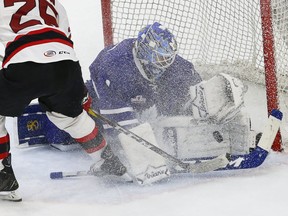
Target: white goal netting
216,35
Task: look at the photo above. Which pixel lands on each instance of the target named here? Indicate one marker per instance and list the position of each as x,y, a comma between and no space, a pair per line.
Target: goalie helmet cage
245,38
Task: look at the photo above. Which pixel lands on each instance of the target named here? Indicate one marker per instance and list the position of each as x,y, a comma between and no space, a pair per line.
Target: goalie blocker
33,128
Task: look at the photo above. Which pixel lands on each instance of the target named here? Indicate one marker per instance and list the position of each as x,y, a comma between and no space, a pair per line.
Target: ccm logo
50,53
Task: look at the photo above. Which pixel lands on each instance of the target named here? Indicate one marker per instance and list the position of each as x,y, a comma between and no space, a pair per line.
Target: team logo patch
139,99
50,53
33,125
152,174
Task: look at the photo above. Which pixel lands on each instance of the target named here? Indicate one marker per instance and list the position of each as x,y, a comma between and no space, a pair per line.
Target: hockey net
217,36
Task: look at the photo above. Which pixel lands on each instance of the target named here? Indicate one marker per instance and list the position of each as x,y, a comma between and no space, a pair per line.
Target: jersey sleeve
63,20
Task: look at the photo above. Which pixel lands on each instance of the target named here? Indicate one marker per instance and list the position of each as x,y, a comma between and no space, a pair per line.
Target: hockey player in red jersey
40,62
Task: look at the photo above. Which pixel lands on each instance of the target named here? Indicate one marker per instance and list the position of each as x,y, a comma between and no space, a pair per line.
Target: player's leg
11,104
66,112
8,181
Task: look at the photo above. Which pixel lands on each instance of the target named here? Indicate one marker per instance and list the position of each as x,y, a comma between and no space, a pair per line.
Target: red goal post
245,38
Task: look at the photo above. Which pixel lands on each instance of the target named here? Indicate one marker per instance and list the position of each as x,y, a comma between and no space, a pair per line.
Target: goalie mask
156,49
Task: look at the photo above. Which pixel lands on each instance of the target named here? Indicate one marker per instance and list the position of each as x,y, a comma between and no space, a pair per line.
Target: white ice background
256,192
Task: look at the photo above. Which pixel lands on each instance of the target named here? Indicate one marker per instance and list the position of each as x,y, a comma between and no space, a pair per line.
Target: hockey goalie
145,86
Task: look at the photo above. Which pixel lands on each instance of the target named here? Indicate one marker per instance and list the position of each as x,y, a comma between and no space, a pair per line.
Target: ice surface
262,191
256,192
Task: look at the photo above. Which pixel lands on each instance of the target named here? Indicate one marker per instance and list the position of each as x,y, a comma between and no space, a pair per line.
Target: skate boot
108,165
8,182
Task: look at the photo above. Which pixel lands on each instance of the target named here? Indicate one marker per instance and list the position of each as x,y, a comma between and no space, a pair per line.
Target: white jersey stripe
123,123
116,111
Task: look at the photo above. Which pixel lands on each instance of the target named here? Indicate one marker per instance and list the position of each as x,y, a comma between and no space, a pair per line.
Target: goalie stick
62,175
204,166
251,160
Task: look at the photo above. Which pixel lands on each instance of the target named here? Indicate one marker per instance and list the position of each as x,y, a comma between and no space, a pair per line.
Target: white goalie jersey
40,32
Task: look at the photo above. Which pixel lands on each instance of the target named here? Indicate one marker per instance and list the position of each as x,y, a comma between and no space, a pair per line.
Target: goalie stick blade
10,196
259,154
61,175
209,165
99,174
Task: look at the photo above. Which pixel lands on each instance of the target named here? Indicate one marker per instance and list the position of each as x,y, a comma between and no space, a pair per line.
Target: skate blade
10,196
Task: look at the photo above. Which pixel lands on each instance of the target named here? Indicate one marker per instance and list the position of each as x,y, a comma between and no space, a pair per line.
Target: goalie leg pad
242,138
181,137
145,165
186,139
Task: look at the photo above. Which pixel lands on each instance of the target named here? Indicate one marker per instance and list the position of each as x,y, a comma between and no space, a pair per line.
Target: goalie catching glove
218,99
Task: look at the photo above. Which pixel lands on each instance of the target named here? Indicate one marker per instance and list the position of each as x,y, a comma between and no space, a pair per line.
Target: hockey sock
94,144
4,146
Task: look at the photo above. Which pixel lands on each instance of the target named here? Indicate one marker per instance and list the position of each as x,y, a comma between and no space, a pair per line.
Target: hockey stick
87,173
59,175
63,175
203,166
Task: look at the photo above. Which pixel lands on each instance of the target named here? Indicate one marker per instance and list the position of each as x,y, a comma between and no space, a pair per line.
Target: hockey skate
8,182
109,165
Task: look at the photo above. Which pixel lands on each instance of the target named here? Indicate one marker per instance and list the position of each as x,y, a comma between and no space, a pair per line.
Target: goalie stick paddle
203,166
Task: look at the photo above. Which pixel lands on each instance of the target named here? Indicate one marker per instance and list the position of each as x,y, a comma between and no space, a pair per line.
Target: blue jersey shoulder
119,80
114,58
